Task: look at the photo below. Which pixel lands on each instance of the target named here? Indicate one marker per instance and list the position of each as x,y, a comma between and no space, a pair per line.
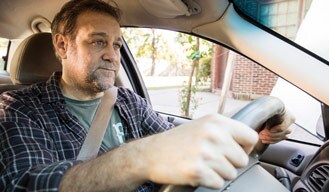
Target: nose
111,55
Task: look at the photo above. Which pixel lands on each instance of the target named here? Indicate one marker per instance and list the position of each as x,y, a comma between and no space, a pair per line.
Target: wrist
136,158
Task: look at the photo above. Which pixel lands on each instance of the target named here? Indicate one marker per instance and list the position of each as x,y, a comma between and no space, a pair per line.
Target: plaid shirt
40,139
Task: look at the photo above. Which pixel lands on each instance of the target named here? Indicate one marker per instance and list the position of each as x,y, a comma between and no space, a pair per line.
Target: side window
4,43
190,77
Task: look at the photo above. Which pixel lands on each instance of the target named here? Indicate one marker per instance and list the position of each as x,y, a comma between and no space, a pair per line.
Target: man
44,126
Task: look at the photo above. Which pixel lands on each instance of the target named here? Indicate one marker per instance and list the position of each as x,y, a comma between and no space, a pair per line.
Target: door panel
290,155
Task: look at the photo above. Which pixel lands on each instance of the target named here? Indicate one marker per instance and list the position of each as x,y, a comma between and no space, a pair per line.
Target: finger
272,139
224,158
223,167
224,145
210,179
279,128
241,134
244,136
274,136
236,155
288,120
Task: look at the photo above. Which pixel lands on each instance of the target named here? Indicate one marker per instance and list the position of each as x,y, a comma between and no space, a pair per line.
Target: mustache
107,65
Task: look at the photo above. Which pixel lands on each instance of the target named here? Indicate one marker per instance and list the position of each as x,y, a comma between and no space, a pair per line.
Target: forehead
89,22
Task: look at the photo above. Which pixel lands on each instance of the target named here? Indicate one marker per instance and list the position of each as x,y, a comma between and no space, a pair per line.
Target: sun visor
170,8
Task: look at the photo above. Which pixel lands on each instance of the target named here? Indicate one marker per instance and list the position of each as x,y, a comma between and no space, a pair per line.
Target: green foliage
204,71
186,55
200,69
183,100
140,42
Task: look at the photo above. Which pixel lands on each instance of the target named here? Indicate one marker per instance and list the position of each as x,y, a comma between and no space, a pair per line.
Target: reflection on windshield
281,16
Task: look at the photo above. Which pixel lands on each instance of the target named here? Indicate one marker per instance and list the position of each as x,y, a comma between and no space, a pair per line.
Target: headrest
34,60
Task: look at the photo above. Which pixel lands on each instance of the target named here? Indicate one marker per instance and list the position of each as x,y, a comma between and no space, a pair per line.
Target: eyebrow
99,33
105,35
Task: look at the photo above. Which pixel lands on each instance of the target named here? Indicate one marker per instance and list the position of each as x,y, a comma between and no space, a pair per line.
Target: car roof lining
16,16
180,23
25,13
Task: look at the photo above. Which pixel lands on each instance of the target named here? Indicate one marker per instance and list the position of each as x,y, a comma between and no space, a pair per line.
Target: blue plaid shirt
40,139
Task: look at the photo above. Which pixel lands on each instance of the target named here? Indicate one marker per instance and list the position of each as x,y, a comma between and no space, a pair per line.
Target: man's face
93,57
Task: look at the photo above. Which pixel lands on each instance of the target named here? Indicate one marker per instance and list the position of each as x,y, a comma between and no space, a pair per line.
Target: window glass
190,77
3,52
281,16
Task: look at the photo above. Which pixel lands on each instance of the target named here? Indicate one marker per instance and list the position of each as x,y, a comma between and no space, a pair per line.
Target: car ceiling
16,15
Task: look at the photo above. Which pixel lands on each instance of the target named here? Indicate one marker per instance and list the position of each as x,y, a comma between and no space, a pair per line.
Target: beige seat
33,61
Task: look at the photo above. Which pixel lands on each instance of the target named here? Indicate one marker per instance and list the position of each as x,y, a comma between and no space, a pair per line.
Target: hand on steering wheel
264,112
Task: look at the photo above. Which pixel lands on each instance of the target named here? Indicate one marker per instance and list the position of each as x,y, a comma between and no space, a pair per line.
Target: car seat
34,61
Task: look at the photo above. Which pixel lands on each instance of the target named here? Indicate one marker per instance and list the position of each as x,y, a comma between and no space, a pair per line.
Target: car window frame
140,88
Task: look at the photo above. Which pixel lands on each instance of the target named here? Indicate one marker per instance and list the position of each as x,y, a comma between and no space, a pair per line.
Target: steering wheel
264,112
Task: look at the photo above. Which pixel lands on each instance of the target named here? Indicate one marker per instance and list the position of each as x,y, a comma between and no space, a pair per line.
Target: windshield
297,20
300,21
283,17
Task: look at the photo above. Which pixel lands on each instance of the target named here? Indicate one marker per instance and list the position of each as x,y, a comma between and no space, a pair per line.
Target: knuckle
243,160
195,175
205,152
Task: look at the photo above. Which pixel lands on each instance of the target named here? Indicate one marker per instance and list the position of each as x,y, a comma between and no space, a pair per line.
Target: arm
117,170
202,152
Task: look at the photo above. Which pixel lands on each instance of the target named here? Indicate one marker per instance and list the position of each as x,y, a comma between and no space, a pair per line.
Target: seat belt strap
100,122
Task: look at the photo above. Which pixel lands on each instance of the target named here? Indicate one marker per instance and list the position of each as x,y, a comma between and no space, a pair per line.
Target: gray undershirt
85,111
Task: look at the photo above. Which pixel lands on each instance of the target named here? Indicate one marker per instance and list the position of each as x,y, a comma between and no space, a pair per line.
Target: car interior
286,166
28,62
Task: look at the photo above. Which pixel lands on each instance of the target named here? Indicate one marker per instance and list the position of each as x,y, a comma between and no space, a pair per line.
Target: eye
117,46
99,43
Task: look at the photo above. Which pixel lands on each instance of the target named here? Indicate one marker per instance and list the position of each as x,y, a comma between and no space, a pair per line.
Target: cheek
84,58
78,64
118,61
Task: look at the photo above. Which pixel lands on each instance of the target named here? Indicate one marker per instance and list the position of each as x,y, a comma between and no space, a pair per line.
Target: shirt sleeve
28,159
152,122
142,119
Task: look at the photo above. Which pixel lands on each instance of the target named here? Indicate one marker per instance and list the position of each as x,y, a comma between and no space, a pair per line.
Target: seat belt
93,141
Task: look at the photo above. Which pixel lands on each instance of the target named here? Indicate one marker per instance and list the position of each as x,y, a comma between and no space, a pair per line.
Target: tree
155,40
195,62
145,43
199,53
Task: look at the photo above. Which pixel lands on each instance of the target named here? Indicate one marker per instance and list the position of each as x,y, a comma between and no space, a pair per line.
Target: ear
60,44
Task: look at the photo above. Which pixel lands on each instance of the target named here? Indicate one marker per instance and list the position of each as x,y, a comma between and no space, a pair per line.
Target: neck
74,92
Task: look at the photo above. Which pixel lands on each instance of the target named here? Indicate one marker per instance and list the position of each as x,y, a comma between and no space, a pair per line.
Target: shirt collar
51,92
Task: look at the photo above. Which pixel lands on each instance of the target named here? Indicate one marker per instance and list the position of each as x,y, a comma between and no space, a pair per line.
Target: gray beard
96,84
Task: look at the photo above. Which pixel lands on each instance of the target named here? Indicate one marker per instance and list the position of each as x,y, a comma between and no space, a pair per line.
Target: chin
104,87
